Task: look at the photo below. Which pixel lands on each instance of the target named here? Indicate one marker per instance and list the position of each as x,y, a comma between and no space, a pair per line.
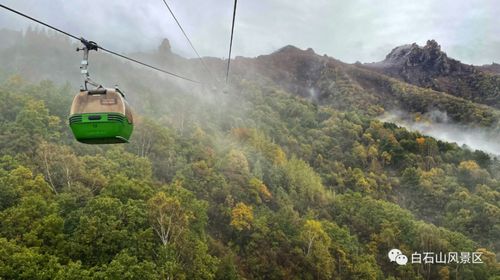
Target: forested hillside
264,182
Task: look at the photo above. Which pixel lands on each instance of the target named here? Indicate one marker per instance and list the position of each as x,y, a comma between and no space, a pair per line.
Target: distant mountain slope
328,81
412,78
430,67
493,68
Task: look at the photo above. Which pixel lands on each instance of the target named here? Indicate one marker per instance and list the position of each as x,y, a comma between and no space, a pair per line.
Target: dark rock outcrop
428,66
165,47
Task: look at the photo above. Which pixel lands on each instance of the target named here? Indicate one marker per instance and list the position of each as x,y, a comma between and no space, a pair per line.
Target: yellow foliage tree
317,248
313,232
241,216
468,165
168,218
261,189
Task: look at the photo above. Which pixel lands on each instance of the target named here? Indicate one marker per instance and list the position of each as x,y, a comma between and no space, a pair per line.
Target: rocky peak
399,54
428,58
414,54
165,47
310,50
432,52
432,45
288,48
428,66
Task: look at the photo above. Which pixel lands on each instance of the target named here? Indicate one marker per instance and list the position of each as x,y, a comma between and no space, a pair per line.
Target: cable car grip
87,46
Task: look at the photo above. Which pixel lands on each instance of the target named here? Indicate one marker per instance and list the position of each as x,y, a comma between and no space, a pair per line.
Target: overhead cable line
187,38
231,41
148,65
81,39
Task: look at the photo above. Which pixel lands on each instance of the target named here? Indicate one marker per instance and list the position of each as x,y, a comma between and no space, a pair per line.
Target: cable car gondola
100,115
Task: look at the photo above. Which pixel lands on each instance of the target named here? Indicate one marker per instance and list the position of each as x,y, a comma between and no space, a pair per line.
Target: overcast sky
350,30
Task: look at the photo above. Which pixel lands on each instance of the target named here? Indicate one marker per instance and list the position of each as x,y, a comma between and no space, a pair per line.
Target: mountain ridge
470,98
429,67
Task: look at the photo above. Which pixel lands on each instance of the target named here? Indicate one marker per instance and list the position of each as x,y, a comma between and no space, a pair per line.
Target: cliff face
430,67
419,65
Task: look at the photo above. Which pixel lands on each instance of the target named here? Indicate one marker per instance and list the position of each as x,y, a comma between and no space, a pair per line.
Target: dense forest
260,183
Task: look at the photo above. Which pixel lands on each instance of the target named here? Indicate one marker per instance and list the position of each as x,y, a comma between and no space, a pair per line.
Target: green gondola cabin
101,116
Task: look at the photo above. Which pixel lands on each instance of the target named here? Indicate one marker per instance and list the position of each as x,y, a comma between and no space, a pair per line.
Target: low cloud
437,124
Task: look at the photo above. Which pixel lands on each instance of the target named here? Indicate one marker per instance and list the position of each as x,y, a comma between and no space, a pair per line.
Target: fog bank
436,124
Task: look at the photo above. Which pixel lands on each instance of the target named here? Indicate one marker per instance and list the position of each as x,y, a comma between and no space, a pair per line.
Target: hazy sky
350,30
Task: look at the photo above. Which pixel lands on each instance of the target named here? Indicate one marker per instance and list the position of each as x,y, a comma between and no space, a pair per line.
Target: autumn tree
168,217
317,244
242,217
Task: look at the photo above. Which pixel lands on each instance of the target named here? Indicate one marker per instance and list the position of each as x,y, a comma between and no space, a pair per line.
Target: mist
347,30
437,124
